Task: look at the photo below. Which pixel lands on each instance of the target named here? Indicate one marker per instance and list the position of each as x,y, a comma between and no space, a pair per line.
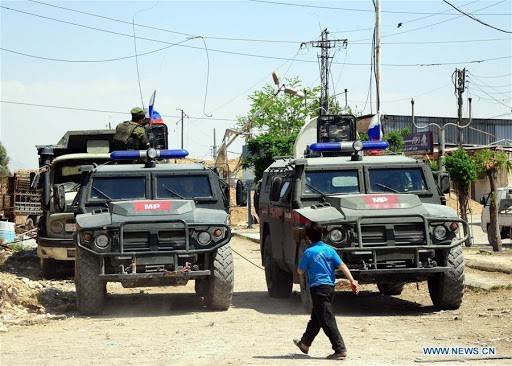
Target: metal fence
479,132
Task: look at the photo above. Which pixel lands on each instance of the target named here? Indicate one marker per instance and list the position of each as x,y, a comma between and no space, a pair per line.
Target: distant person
320,261
131,135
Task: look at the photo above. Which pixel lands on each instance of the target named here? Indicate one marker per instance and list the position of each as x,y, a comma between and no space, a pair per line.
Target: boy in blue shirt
320,261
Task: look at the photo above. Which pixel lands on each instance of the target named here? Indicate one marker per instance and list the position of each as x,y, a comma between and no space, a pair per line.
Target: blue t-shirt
320,261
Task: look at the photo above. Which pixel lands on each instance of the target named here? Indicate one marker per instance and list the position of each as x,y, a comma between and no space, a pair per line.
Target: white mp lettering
379,199
151,206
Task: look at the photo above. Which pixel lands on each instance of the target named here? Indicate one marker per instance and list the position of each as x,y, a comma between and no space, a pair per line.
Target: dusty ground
170,326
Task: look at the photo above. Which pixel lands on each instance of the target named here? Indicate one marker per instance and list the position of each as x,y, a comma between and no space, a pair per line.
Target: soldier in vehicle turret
131,135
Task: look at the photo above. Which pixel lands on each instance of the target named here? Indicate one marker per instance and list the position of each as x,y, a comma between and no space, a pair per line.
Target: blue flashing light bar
349,146
375,145
143,154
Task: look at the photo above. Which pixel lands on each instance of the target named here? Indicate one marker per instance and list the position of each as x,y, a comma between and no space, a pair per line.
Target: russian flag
375,129
149,113
156,118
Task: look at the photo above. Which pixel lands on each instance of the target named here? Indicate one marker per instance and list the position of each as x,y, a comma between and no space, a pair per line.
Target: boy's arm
353,283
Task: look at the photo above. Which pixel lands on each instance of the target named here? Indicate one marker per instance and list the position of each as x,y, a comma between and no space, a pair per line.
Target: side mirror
482,200
445,183
59,197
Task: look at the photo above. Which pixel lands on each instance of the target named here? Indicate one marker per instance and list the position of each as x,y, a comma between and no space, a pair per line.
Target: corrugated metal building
480,132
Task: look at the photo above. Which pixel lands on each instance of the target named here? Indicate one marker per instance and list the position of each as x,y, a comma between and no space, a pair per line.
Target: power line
162,29
491,77
476,19
104,111
251,55
431,25
350,9
219,38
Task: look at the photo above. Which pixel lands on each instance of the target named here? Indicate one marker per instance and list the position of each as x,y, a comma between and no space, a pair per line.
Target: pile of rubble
26,298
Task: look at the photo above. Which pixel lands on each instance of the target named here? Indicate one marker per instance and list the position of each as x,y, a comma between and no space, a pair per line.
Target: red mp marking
381,202
152,205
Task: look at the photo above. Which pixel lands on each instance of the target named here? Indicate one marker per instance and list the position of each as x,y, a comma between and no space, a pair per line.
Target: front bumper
55,248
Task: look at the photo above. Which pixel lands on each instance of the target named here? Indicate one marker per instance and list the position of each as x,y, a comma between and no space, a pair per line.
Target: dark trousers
322,317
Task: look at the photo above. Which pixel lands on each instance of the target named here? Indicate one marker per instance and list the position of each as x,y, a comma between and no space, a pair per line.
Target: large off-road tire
390,288
219,289
446,289
90,289
305,295
279,282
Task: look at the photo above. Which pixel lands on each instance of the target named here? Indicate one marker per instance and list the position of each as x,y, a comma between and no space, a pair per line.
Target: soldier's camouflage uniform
130,136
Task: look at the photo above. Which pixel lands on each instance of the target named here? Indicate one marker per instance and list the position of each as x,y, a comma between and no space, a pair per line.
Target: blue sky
70,65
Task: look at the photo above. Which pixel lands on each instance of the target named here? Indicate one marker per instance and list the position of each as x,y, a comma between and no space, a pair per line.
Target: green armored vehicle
152,224
384,215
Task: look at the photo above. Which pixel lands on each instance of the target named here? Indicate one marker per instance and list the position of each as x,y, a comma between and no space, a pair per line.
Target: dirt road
170,326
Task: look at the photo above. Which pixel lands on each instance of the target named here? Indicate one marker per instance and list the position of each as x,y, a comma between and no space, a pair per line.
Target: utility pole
325,44
346,100
460,83
183,114
214,150
377,53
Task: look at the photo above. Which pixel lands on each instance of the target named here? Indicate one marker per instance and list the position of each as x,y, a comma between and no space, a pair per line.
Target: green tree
395,139
462,169
489,163
4,161
278,123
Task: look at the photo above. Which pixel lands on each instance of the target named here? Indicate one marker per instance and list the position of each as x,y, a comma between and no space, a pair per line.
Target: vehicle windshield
183,186
397,180
118,188
331,182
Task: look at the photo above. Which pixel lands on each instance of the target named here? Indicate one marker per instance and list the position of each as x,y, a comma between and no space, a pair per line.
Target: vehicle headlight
57,226
101,241
440,232
204,237
336,235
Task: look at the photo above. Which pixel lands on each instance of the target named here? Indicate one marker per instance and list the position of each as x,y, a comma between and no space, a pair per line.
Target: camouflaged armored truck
152,224
384,214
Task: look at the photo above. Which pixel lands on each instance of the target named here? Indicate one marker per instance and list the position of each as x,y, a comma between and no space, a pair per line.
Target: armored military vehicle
383,214
152,224
59,178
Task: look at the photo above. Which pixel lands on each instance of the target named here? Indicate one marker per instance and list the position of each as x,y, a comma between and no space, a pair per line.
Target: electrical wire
104,111
489,86
491,77
250,55
490,96
441,22
135,45
207,78
192,47
476,19
347,9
